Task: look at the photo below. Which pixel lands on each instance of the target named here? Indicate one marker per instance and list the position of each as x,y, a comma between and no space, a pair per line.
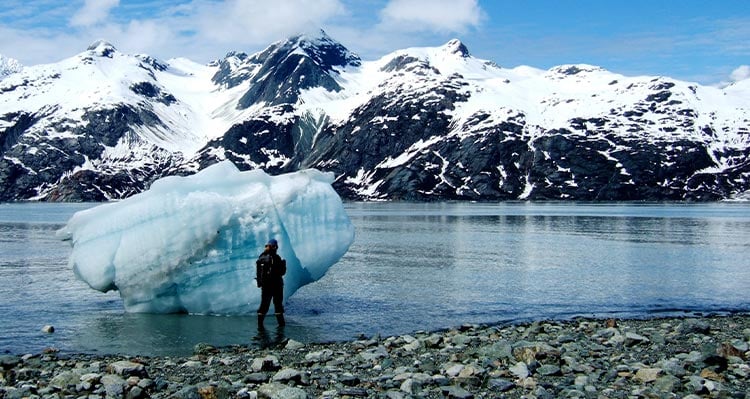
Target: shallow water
411,267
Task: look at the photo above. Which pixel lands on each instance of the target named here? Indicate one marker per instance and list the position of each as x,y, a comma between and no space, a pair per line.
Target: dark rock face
256,143
151,91
278,73
34,167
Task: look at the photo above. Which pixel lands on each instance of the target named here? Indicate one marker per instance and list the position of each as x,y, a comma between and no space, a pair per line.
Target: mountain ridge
430,123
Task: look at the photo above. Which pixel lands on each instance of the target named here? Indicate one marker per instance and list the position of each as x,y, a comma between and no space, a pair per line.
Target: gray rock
89,380
187,392
17,393
667,383
146,383
294,345
412,346
256,378
520,370
409,386
64,380
287,374
267,363
432,341
9,361
114,385
439,380
280,391
673,367
135,392
204,349
542,393
500,384
192,364
454,391
501,350
379,352
319,356
549,370
354,391
695,326
25,374
127,368
632,339
461,340
696,385
349,379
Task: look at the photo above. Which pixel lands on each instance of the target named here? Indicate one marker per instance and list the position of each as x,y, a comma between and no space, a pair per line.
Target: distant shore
660,357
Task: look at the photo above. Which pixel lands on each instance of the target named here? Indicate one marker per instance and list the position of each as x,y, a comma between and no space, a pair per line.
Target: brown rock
711,375
727,350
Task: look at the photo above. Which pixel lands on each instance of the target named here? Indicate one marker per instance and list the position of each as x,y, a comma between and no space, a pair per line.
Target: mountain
417,124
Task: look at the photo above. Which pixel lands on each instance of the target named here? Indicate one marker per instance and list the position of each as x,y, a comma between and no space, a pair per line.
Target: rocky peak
314,53
279,72
102,48
457,47
325,51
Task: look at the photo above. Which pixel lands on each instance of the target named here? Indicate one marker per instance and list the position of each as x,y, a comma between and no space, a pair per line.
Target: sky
704,41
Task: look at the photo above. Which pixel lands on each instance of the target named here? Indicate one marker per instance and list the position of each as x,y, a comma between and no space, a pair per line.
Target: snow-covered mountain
418,124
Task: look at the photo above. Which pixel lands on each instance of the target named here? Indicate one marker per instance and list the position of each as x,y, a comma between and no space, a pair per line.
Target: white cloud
93,12
262,21
741,73
39,47
201,30
431,15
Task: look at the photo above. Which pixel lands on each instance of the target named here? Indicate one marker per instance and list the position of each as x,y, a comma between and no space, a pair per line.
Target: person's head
272,245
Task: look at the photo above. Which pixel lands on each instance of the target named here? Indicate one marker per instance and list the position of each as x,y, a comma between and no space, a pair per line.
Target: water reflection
178,334
267,339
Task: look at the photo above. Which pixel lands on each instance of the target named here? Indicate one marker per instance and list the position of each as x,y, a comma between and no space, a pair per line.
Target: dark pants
270,292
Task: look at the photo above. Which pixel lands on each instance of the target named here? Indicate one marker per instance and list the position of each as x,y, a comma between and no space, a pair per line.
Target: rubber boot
260,321
280,319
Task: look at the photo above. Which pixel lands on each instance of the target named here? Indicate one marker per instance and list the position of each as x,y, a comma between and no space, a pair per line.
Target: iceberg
189,244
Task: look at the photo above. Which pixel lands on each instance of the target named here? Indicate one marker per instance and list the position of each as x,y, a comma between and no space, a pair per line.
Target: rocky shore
701,357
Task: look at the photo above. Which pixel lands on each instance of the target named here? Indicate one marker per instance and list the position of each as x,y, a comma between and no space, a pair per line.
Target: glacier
189,244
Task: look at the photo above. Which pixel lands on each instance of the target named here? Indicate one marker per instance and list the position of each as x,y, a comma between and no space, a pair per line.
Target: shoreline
699,355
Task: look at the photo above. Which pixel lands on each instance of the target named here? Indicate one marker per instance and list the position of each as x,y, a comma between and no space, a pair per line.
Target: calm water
411,267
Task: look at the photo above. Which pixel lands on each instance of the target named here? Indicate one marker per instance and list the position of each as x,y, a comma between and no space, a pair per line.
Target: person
269,274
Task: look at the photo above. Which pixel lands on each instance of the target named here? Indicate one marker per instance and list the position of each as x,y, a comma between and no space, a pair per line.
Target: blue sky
695,40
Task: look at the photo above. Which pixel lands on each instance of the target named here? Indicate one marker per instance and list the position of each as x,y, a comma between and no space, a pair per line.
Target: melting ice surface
189,244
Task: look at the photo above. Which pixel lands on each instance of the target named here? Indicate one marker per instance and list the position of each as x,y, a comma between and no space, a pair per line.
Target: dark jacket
270,269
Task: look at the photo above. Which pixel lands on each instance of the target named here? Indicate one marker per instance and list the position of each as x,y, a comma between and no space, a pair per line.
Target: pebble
696,357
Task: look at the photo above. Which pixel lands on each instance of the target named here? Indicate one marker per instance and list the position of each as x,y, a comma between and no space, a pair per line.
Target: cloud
262,21
431,15
93,12
41,46
201,30
741,73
